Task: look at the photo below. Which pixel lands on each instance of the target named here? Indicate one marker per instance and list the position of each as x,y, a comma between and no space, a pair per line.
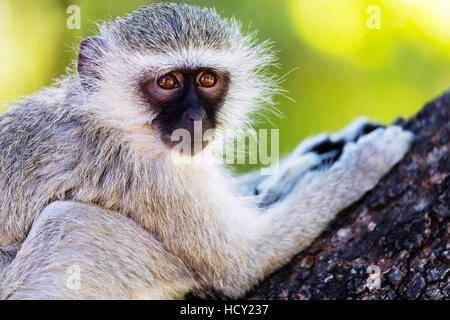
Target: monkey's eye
168,81
206,79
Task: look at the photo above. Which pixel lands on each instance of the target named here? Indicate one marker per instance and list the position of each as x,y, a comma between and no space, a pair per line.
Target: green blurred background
341,68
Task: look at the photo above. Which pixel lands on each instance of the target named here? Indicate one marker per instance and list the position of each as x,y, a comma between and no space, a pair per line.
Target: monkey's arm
324,150
79,251
318,195
118,259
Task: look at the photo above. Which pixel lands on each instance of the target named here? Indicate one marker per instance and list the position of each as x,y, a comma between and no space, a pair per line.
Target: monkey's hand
320,153
350,170
373,155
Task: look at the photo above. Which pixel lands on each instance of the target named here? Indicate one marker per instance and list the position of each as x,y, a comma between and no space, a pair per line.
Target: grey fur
138,225
166,27
54,148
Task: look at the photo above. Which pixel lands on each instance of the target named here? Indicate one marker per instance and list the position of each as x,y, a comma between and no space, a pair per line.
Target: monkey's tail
7,255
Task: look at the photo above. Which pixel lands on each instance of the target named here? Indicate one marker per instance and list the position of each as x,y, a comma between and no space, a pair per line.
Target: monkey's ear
89,56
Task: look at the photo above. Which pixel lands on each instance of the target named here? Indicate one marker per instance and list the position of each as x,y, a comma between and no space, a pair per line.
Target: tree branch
402,227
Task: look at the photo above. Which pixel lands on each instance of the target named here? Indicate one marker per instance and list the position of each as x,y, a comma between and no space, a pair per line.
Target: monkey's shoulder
35,111
33,122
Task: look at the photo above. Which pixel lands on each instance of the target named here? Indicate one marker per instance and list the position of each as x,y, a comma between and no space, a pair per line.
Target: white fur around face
120,104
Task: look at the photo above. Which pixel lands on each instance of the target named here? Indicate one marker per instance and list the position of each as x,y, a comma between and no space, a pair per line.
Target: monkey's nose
197,114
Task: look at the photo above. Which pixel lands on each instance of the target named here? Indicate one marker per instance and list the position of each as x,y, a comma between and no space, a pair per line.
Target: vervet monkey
93,205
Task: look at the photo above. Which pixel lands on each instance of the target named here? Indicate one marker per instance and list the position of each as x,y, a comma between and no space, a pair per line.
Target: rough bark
402,226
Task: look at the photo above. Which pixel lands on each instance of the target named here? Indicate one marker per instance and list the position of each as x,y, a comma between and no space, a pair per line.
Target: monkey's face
187,99
171,67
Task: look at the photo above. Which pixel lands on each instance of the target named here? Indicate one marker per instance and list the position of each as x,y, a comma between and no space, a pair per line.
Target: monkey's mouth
189,138
185,145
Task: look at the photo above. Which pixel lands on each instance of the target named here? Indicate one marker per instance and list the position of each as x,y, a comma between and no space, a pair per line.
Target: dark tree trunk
401,227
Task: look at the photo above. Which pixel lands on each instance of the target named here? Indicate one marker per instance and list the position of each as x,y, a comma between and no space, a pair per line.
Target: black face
183,97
